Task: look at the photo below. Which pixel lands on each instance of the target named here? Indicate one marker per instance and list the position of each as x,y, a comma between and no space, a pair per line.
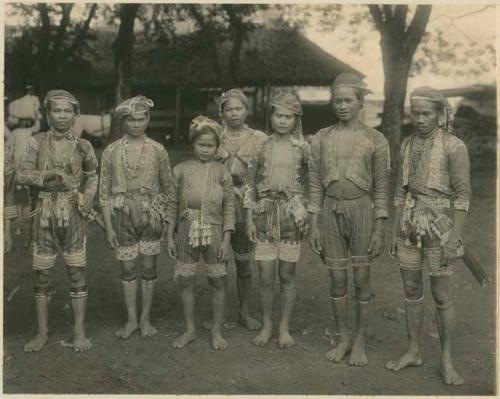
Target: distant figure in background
349,179
239,143
26,107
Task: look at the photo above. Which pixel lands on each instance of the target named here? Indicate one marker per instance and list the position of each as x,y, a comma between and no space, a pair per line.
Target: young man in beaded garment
276,217
432,199
135,177
56,163
349,187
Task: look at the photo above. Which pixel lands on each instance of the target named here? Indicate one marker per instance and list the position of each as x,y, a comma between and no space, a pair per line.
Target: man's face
234,113
136,124
424,115
346,103
61,115
283,121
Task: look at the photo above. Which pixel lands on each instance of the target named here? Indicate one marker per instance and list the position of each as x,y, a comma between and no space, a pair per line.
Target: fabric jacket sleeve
381,169
400,191
28,173
316,192
105,179
460,176
89,169
228,201
174,196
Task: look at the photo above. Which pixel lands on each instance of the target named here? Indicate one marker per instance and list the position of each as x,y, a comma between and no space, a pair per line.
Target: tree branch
61,29
83,31
388,13
417,27
400,17
238,36
376,14
453,18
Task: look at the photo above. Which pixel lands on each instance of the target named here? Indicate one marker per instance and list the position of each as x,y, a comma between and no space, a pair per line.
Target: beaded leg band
78,292
445,306
418,301
43,292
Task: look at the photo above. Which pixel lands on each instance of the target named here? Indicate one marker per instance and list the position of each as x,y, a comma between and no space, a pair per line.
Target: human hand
393,247
315,240
225,251
171,249
377,244
252,232
450,251
112,239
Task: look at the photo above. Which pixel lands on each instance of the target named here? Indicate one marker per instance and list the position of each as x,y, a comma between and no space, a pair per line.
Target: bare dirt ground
151,366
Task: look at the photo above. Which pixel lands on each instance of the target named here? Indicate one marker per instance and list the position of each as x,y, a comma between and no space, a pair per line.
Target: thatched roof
275,57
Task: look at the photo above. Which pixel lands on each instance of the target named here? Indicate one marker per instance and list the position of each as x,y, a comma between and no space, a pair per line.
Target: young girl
201,207
276,216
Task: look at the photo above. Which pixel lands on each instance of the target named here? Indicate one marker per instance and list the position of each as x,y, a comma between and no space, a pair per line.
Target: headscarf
63,95
290,102
435,96
353,80
132,105
200,123
232,94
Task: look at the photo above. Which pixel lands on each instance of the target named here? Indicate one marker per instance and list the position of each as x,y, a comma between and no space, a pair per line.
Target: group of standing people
256,196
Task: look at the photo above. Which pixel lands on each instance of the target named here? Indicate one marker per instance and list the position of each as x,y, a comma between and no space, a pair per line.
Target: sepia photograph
228,198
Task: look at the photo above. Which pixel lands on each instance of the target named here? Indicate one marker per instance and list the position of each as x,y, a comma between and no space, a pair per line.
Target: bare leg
148,286
266,287
288,297
244,284
441,291
363,297
187,298
42,311
218,286
79,304
413,285
129,286
339,305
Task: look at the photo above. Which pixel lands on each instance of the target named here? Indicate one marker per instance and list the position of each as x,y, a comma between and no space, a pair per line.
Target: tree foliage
46,40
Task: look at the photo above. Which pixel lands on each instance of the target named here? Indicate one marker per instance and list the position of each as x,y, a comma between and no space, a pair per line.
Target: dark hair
196,133
223,105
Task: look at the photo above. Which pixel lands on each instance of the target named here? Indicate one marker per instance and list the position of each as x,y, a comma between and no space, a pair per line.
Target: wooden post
266,105
177,114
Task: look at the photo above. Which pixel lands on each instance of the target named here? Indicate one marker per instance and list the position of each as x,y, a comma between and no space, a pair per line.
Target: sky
478,26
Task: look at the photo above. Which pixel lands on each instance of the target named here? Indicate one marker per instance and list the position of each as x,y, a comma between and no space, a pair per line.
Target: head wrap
199,125
353,80
290,102
232,94
62,95
435,96
133,105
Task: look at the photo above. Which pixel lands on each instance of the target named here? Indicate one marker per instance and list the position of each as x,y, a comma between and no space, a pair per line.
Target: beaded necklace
60,160
133,170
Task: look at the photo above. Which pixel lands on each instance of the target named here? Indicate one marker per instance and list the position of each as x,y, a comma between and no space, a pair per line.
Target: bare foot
81,343
127,330
263,337
285,340
184,339
36,344
342,348
449,374
358,355
409,359
218,341
147,330
249,322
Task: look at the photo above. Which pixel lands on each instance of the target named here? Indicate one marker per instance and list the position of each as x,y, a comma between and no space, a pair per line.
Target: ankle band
79,292
414,301
333,298
445,306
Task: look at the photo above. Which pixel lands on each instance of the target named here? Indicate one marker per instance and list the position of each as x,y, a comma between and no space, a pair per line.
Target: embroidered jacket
217,205
78,163
153,168
443,170
261,168
237,157
369,167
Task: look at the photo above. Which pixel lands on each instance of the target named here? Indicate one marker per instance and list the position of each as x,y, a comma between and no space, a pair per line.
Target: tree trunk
396,71
122,51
